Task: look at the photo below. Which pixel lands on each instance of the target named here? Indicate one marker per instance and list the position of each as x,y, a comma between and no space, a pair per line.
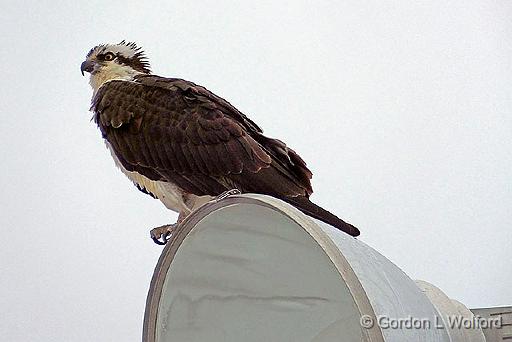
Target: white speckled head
106,62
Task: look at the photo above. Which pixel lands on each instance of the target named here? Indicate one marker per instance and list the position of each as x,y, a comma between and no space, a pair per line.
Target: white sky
402,111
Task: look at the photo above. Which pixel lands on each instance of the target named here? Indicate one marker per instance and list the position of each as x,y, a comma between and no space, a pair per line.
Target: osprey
184,145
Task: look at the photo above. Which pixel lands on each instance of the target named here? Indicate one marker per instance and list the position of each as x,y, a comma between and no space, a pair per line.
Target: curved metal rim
330,249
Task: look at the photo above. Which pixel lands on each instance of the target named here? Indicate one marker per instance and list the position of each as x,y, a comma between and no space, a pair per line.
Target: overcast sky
402,111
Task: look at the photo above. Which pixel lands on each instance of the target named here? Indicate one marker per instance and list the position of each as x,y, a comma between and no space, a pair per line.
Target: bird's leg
162,234
227,193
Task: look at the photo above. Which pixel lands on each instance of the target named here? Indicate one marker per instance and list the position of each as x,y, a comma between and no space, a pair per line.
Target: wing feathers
175,131
237,164
195,139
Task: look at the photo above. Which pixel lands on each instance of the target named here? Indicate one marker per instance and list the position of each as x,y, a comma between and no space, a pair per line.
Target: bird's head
107,62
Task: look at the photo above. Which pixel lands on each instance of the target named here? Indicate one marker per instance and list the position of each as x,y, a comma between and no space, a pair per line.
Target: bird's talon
158,242
162,234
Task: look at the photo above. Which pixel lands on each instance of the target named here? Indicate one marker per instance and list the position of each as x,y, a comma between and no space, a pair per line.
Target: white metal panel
253,268
393,295
249,273
449,312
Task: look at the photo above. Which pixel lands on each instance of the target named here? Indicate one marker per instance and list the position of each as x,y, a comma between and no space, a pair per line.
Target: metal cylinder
253,268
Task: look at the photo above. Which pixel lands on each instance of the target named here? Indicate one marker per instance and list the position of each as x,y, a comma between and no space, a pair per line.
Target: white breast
169,194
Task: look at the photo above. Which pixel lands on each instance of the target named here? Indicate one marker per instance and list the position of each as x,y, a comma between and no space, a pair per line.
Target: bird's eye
109,56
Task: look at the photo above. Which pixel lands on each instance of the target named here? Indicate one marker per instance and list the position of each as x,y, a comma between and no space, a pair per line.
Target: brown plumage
174,131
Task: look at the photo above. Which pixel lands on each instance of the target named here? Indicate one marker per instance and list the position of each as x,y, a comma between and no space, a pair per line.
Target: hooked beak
87,66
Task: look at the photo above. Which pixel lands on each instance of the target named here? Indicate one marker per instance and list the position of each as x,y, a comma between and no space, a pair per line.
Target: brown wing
173,130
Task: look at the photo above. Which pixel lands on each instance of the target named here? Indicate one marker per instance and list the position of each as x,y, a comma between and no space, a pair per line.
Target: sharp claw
164,238
158,242
161,238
